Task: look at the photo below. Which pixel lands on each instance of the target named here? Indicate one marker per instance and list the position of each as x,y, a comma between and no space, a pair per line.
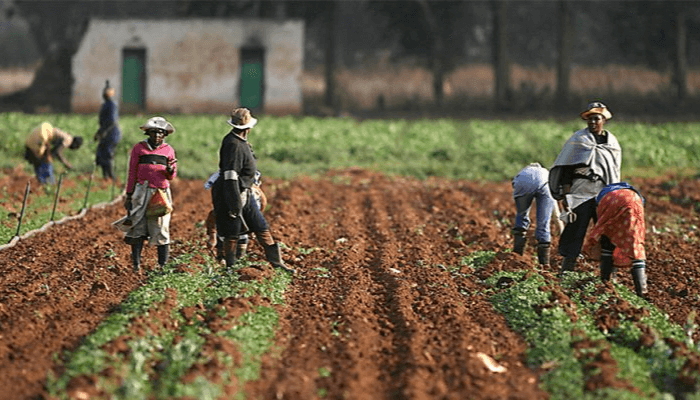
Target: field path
382,306
376,313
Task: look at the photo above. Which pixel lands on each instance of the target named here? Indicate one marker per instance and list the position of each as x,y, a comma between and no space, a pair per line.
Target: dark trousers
233,227
574,234
106,148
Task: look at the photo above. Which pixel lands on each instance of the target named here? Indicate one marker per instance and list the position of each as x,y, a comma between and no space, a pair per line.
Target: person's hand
171,165
567,216
127,203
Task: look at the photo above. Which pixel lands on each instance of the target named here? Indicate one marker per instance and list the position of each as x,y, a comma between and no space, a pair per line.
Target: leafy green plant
157,360
529,303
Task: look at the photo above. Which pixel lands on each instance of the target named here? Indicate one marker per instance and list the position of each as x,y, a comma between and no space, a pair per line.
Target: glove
567,216
127,203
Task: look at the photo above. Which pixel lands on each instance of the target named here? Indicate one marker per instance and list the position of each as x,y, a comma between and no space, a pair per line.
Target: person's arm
232,192
556,214
59,154
133,165
171,167
566,180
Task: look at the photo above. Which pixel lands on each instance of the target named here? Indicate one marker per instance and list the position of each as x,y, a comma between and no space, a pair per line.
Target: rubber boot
136,248
639,276
519,241
230,253
241,246
273,254
543,253
219,249
568,264
163,255
607,269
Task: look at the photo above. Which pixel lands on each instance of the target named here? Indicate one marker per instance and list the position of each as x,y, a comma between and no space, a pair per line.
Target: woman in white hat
151,168
235,207
589,161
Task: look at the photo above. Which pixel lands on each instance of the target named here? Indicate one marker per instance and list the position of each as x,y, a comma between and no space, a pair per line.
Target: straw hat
596,108
241,119
158,123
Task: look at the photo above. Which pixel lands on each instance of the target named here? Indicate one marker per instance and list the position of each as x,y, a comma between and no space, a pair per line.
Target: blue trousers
44,173
104,156
545,205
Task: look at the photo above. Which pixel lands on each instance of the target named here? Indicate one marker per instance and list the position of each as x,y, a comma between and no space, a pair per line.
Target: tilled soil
374,302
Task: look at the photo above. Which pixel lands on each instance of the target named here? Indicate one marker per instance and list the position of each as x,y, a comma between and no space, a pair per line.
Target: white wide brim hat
158,123
241,119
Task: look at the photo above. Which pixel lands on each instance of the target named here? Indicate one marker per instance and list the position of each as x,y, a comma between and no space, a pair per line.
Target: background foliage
291,146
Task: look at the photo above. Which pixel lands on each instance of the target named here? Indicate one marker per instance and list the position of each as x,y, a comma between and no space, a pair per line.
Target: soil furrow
353,327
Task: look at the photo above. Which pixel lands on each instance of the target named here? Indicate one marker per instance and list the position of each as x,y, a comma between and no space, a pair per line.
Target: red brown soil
371,303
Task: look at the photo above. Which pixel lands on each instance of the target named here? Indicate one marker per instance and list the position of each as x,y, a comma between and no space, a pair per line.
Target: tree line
440,35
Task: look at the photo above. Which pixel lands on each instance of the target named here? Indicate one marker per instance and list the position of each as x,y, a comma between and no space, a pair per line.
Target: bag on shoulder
159,204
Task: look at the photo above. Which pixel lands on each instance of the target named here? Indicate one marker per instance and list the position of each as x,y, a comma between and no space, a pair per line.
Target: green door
252,85
133,80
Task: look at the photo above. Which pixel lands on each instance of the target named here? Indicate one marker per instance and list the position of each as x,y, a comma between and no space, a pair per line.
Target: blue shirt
616,186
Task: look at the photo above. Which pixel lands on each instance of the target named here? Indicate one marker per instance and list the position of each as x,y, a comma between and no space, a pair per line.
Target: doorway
252,84
133,80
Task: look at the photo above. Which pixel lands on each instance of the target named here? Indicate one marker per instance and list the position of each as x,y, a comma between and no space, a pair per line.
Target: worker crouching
620,210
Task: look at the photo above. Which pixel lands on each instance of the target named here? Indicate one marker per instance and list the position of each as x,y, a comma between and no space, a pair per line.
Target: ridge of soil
373,302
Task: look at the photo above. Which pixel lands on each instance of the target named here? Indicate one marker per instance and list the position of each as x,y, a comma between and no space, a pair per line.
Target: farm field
405,290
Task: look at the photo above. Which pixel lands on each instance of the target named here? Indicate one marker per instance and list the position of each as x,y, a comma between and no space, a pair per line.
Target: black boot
520,240
273,254
543,253
230,253
607,269
241,246
568,264
219,249
163,255
639,276
136,248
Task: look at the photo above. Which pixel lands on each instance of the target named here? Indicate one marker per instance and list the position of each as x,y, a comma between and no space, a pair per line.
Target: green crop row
163,334
558,319
50,203
292,146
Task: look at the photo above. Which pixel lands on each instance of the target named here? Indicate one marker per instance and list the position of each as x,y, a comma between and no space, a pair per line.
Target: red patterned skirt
621,219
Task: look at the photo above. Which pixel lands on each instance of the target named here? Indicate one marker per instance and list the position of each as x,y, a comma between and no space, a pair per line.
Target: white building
191,65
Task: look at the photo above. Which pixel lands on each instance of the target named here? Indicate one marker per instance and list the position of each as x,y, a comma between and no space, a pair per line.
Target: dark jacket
237,167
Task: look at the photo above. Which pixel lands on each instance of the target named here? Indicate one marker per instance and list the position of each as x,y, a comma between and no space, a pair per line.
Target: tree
501,64
654,33
680,72
566,35
330,98
424,29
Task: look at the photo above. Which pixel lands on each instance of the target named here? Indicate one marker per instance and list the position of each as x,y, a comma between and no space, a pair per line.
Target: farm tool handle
87,193
55,200
21,214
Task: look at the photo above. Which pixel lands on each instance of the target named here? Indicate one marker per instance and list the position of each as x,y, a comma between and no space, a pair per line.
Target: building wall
192,66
